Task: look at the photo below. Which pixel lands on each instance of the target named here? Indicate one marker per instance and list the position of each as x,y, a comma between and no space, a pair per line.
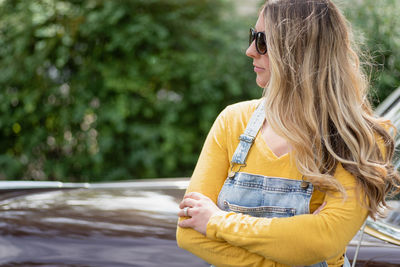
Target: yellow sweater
235,239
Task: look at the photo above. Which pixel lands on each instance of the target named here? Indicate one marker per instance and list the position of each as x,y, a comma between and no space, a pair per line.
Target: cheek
265,61
263,77
266,74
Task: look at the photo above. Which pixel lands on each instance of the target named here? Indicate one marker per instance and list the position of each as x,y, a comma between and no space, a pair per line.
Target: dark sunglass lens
260,43
251,36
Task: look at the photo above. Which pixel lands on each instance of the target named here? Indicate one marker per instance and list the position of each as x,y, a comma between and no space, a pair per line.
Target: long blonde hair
317,99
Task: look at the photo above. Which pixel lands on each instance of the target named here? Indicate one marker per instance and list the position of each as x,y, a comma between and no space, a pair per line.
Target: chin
261,84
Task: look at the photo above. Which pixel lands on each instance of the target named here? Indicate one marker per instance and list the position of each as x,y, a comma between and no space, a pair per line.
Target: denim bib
263,196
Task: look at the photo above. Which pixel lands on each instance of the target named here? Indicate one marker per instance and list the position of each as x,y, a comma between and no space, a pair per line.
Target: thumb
319,208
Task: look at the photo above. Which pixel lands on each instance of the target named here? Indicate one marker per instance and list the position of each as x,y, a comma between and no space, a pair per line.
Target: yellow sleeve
299,240
208,178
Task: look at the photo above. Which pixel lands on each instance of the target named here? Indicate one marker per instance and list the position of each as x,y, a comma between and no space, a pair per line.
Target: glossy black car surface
125,224
116,224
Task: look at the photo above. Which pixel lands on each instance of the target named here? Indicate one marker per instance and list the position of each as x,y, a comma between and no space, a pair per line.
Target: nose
251,50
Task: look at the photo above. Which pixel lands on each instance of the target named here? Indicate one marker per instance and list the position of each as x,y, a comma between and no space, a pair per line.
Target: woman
311,161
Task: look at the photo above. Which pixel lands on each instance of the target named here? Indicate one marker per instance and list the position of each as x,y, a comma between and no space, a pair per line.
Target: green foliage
376,25
106,90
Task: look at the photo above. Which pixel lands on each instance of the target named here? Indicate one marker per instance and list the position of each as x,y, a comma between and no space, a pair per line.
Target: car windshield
390,109
388,228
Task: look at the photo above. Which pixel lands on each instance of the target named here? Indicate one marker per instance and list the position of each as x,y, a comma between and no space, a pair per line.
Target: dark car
127,224
110,224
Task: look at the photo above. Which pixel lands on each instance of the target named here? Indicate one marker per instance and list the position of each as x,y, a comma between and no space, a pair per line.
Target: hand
319,208
200,209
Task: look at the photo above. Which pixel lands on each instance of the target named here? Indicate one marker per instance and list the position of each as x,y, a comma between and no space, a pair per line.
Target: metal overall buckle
304,184
232,173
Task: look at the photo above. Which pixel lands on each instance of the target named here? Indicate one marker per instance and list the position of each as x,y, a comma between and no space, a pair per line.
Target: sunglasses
261,44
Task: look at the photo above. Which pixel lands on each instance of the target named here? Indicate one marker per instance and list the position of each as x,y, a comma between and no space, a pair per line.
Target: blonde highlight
317,99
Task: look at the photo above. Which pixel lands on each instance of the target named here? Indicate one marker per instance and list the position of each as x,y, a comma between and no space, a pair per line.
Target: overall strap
247,138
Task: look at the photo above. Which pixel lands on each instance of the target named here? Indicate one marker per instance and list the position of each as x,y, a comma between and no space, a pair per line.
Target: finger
188,223
181,212
194,195
187,202
317,211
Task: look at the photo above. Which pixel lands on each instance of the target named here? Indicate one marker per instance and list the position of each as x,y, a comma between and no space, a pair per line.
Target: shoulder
232,121
240,111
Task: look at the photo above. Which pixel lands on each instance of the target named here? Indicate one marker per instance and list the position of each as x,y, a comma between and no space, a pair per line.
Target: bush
106,90
376,26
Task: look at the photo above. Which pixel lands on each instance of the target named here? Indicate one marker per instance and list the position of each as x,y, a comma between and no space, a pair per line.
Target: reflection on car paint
93,227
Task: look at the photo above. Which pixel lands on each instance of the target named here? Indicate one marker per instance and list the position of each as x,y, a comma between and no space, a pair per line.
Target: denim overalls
262,196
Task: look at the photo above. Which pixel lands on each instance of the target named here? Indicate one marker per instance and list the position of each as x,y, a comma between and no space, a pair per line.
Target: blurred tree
376,26
105,90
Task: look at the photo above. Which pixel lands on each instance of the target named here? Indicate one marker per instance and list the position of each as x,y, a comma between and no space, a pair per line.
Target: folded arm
303,239
219,253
